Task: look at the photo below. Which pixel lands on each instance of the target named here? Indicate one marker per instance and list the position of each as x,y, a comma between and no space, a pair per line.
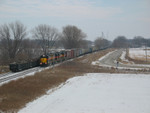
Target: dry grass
142,58
4,69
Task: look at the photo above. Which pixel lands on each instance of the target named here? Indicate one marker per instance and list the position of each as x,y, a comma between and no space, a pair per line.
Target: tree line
137,41
16,46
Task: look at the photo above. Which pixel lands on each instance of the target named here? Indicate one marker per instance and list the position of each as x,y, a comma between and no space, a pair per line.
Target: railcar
57,57
68,52
51,59
63,55
15,67
77,52
72,53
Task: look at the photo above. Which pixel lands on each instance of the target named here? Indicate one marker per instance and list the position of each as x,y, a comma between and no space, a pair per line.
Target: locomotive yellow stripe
43,60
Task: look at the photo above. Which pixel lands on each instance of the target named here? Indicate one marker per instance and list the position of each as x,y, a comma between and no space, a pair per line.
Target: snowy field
139,53
96,93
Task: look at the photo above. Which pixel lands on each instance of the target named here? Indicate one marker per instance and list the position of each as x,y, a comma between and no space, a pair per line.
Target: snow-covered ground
139,53
96,93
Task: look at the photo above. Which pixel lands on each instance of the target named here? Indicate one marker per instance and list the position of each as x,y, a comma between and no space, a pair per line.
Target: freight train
52,58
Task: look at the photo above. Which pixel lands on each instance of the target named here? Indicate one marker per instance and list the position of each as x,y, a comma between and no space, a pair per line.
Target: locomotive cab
44,60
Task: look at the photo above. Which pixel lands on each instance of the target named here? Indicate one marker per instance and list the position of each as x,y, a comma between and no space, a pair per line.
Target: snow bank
97,93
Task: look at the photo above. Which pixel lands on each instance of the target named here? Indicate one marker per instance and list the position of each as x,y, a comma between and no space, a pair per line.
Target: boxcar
68,52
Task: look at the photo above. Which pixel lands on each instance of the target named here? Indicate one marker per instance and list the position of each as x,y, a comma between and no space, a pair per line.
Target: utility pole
146,51
102,35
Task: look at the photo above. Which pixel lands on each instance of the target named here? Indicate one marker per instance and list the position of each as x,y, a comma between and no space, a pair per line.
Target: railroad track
7,77
12,76
5,74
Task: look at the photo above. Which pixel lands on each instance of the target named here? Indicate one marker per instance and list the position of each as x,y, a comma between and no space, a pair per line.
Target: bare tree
139,41
72,37
31,49
101,42
11,36
47,34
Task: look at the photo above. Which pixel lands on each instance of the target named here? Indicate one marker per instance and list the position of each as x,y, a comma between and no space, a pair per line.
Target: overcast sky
112,17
